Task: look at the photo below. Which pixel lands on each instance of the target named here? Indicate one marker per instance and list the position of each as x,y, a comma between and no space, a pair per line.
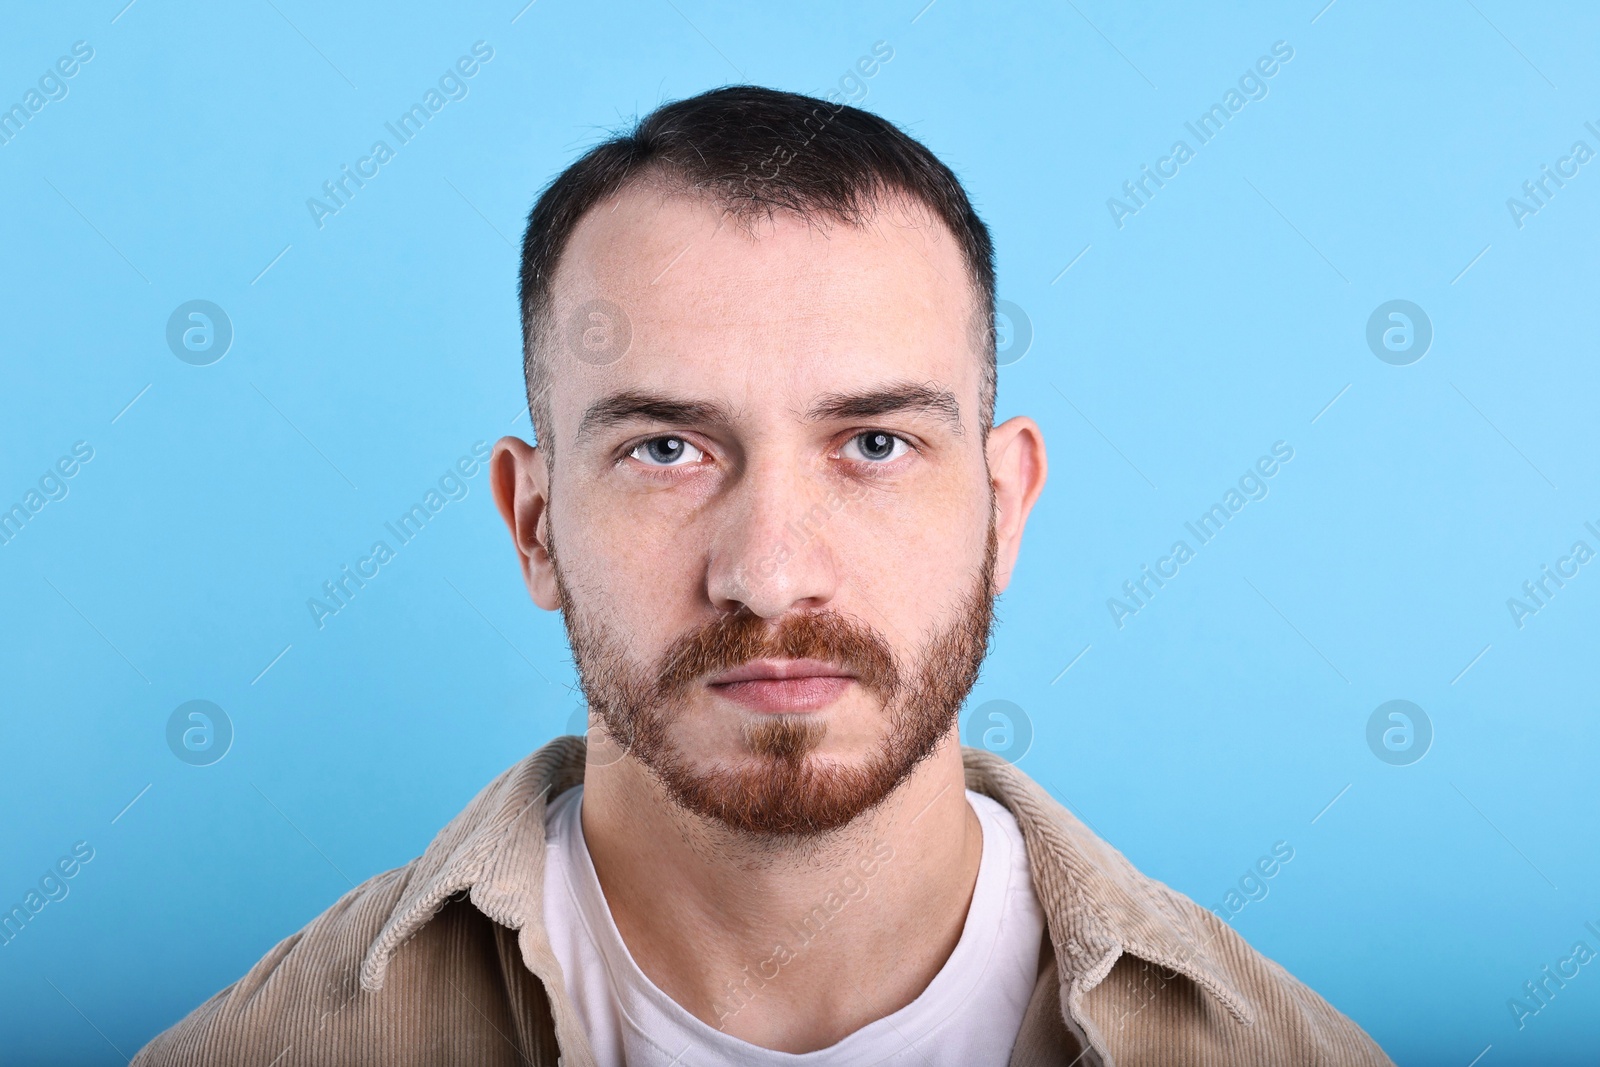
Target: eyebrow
897,398
635,404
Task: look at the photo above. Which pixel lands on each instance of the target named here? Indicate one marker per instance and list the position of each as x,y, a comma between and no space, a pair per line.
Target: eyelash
629,450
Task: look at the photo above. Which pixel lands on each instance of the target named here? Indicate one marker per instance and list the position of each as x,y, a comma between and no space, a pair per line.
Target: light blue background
1223,317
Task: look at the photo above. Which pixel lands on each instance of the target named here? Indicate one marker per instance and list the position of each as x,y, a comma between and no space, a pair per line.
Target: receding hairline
757,150
667,182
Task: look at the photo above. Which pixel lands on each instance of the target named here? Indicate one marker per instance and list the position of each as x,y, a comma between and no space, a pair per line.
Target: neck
787,945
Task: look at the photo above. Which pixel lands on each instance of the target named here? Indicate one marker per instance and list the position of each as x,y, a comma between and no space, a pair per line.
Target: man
769,502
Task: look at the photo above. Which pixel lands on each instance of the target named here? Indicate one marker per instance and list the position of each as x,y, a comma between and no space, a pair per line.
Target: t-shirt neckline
951,987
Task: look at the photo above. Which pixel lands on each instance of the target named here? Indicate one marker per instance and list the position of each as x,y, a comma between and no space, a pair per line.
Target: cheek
911,556
632,561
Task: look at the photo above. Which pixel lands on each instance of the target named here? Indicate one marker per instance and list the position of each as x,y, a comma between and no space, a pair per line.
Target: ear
522,495
1017,471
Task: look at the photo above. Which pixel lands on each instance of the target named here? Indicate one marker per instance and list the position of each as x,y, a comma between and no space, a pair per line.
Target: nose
774,553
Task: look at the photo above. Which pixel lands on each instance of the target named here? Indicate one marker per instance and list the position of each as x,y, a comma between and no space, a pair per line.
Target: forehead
778,308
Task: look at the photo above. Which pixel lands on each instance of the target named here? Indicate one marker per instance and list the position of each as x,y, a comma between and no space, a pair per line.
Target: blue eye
877,446
665,452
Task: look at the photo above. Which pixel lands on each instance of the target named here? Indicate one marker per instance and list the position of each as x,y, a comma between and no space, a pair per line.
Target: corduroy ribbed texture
446,960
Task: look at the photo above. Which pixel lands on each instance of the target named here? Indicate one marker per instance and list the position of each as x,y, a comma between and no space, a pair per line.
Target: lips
761,670
771,685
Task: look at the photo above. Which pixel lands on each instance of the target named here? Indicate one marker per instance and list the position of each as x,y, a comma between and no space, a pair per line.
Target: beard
781,789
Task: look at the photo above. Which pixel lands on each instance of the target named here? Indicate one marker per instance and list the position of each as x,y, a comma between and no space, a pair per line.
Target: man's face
770,523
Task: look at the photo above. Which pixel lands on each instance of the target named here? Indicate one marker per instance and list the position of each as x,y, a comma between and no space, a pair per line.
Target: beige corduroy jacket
446,960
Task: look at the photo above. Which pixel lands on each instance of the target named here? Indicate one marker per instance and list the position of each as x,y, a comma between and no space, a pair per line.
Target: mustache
737,637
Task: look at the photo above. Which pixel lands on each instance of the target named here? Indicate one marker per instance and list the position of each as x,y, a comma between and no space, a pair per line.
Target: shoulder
381,975
1150,975
303,1002
307,984
1158,1011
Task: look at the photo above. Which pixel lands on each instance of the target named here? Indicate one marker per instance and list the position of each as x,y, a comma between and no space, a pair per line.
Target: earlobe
521,495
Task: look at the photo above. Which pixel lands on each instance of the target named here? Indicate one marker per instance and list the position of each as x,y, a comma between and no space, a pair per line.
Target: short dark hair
754,151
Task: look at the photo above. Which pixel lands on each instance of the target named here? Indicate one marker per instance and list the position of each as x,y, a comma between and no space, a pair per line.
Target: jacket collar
493,849
1097,905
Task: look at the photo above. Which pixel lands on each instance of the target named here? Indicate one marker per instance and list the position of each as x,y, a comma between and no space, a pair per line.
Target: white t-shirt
968,1015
